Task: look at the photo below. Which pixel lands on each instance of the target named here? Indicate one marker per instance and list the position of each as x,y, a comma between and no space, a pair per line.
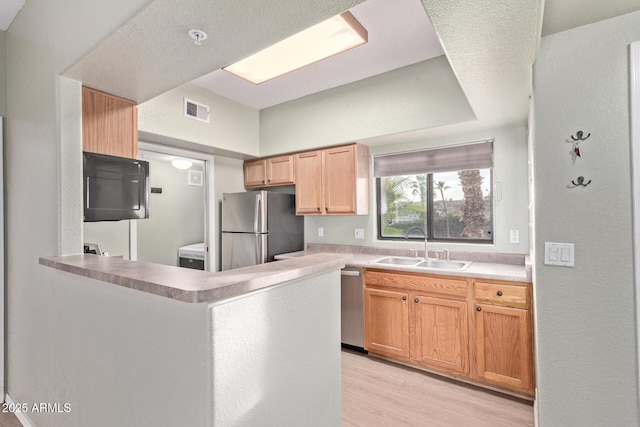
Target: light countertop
195,286
514,268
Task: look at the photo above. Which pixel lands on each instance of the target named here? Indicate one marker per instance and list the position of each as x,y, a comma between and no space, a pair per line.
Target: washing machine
192,256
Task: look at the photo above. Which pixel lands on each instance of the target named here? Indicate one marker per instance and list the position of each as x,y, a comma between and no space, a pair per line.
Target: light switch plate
358,233
561,254
320,231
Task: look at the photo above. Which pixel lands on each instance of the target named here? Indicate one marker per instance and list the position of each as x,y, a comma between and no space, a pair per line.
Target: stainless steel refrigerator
258,225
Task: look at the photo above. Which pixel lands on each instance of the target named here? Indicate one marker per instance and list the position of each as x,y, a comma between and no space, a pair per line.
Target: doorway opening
179,230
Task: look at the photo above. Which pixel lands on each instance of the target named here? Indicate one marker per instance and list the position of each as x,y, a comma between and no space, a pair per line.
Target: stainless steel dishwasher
352,308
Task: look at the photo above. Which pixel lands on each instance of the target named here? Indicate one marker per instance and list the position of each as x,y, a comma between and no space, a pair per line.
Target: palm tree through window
452,206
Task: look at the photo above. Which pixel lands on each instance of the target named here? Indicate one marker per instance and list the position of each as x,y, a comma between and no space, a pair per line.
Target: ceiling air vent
196,110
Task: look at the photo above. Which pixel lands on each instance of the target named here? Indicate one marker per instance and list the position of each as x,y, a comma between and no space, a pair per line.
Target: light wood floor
377,393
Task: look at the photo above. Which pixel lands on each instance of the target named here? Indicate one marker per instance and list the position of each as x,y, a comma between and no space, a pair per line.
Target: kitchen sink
421,263
444,265
396,260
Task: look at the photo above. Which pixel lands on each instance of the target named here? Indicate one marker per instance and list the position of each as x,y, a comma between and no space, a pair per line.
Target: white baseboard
21,416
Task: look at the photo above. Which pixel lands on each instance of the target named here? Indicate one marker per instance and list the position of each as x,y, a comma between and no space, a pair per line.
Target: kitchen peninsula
167,346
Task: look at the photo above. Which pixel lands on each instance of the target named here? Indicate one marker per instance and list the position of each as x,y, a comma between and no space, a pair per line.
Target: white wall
42,41
394,102
182,364
232,126
120,357
511,212
228,178
285,371
586,337
112,236
176,215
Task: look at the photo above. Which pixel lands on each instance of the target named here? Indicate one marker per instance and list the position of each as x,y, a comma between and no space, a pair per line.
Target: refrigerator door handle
257,214
261,249
258,258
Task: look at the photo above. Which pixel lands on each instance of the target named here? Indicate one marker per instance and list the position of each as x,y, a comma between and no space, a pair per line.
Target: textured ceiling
152,53
400,34
490,45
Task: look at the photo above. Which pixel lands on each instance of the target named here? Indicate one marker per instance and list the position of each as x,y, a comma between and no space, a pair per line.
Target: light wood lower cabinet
441,337
418,319
472,329
387,328
504,355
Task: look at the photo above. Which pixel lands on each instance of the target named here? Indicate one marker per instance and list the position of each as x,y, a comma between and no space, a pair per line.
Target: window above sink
447,191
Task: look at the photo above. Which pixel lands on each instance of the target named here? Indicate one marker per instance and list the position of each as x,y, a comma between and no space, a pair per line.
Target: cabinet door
503,347
255,173
109,124
340,180
441,337
280,170
386,322
309,183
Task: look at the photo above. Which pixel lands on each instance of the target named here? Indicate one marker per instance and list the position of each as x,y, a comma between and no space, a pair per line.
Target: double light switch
559,254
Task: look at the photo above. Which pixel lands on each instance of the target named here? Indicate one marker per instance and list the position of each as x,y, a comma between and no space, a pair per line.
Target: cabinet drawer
508,295
418,282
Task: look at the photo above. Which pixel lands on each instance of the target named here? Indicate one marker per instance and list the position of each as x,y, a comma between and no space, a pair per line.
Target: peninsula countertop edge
195,286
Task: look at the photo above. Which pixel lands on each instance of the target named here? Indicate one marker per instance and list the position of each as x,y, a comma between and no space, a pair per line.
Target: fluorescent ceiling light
181,163
328,38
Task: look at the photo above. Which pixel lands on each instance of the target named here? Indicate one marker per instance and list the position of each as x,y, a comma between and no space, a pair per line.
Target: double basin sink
422,263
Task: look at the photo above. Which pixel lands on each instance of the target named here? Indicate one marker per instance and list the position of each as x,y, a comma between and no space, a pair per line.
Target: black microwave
115,188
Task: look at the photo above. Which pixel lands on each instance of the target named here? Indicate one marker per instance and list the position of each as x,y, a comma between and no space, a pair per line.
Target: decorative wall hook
575,144
579,136
580,182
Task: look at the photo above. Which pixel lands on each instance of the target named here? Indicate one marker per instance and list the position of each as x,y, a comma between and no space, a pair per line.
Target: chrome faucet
445,254
415,227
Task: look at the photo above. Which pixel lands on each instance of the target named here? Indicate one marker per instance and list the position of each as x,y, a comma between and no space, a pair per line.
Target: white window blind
476,155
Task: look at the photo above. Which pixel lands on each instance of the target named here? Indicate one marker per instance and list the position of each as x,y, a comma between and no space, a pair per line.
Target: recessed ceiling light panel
328,38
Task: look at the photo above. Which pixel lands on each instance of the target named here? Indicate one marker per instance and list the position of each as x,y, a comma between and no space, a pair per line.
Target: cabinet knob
326,209
268,180
404,298
263,181
499,293
478,308
416,300
319,209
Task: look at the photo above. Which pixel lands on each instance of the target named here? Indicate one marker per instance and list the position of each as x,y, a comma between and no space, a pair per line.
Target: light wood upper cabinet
255,173
336,183
109,124
309,197
281,170
504,355
268,172
339,180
